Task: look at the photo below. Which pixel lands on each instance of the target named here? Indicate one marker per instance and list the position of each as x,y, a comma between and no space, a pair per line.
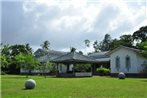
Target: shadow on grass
27,89
144,80
16,77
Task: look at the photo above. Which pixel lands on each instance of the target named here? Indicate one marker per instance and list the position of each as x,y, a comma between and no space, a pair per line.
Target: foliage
5,50
3,73
103,71
82,67
47,67
80,52
143,47
126,40
26,61
105,44
114,44
20,49
29,49
72,49
4,61
8,53
141,34
45,45
87,43
96,46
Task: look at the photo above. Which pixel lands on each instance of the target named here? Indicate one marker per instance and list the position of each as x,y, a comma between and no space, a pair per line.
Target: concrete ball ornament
30,84
121,75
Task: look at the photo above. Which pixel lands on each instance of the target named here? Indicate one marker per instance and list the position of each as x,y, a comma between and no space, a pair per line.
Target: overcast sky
67,23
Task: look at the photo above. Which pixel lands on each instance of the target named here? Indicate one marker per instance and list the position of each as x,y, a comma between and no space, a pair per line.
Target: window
128,63
117,63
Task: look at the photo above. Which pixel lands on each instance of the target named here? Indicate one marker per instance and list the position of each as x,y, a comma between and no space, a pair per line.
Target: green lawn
91,87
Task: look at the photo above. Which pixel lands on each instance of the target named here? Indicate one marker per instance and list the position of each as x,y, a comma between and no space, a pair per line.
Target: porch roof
73,57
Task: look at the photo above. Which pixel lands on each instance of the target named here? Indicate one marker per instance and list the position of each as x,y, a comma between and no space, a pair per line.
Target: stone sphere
121,75
30,84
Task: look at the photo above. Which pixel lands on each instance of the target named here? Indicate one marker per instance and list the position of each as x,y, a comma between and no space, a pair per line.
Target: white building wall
122,53
140,62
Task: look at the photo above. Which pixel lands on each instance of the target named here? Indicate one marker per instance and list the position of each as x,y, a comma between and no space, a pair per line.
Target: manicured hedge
103,71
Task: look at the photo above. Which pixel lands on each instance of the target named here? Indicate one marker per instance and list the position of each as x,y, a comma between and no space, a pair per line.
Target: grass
89,87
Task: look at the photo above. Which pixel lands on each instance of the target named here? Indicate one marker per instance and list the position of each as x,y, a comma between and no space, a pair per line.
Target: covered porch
73,64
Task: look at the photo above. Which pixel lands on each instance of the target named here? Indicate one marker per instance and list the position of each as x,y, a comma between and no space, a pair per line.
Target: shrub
82,67
3,73
103,71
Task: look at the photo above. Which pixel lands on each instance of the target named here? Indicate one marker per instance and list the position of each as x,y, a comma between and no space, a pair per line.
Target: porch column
73,69
67,68
57,70
91,70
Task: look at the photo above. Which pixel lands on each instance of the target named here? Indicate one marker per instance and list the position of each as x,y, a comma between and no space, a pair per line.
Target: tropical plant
96,46
126,40
103,71
72,49
4,61
87,44
105,44
45,45
28,48
141,34
27,62
82,67
143,47
46,68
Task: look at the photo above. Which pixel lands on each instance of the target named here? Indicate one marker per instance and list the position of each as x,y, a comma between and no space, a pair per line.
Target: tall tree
4,61
5,49
45,45
143,46
87,43
26,61
17,49
114,44
96,46
141,34
9,52
105,44
72,49
28,48
126,40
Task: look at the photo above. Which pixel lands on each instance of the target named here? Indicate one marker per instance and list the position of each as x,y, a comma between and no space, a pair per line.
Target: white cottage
127,60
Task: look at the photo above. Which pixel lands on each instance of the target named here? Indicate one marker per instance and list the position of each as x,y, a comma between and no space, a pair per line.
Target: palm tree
96,46
87,43
28,48
45,45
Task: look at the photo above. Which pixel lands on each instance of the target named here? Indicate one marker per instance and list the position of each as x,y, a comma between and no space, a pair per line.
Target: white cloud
67,23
